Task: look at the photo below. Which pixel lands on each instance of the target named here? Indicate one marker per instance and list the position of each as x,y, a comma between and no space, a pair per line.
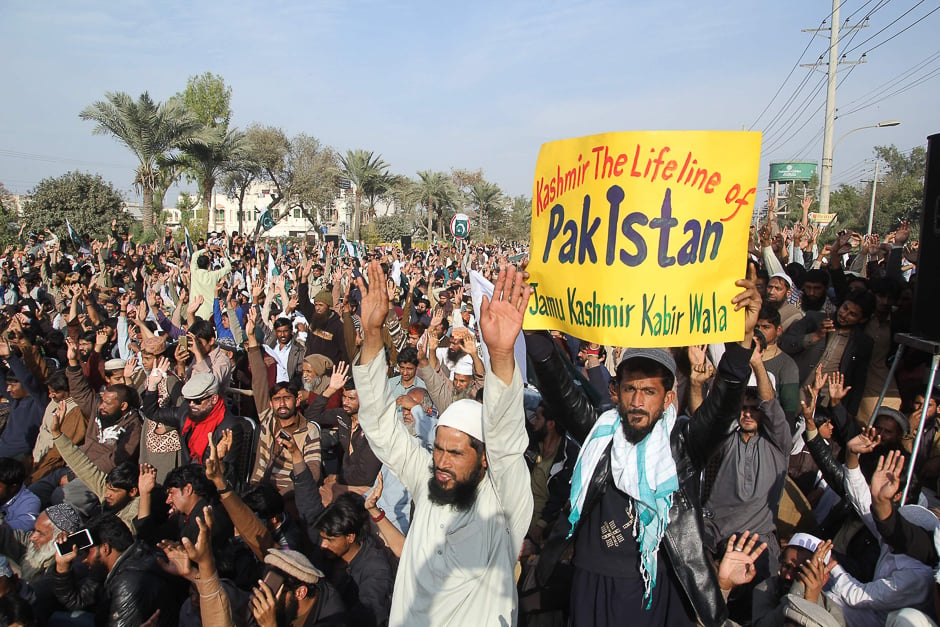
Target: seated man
18,506
34,551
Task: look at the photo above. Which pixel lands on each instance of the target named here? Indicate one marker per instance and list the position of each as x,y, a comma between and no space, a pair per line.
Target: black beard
108,420
454,354
464,493
813,304
319,320
286,612
635,435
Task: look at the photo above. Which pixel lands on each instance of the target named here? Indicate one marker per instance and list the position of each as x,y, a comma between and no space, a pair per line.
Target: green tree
392,227
241,174
369,174
86,200
206,160
900,192
518,225
9,217
436,192
488,201
209,99
150,130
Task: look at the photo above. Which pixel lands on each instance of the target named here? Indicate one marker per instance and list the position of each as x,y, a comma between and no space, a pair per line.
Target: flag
266,221
272,267
189,242
480,287
76,239
350,248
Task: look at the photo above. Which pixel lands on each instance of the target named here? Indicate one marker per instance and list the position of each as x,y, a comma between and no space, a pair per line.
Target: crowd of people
262,432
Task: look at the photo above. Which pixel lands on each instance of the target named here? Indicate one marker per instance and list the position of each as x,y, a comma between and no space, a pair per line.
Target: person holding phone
294,592
124,586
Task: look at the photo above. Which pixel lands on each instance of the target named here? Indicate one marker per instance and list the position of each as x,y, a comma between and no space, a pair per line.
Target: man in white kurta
457,566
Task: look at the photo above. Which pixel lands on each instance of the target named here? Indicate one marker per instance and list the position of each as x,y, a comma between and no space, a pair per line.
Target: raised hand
340,376
58,416
886,480
147,479
374,303
837,389
737,565
815,572
501,317
177,561
750,301
201,551
214,466
864,442
373,496
701,373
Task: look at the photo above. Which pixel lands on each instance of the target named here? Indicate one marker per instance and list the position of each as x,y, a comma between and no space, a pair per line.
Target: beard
36,560
318,321
813,304
108,420
635,434
454,354
464,493
311,385
286,611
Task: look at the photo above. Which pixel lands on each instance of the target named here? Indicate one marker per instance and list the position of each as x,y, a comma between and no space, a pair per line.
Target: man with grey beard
34,551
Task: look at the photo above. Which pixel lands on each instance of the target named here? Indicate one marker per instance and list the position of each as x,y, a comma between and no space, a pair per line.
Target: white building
224,213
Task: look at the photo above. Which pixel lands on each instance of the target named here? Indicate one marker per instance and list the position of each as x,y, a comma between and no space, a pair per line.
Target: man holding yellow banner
637,238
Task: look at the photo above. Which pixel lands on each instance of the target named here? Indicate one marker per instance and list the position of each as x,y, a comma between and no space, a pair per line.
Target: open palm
501,316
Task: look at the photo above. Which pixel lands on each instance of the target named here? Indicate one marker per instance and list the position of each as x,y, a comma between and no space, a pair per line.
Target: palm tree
486,197
369,173
435,190
206,160
150,130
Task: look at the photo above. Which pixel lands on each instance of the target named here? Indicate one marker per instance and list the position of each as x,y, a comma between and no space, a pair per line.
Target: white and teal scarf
646,472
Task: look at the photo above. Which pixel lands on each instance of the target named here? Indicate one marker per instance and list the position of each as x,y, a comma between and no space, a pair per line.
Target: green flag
266,221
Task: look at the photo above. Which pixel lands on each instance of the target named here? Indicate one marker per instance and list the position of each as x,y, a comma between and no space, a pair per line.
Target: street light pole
825,181
874,188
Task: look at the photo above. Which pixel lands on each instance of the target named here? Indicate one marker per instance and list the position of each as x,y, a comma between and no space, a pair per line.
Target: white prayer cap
784,277
464,366
465,415
920,516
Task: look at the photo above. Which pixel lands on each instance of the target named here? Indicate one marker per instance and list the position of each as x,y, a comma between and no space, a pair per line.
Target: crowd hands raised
329,444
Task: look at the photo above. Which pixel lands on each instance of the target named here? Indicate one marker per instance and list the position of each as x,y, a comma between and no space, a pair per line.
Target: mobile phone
284,435
80,539
184,343
274,580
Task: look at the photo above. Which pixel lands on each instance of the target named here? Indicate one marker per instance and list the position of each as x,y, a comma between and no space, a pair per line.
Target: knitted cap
64,517
325,297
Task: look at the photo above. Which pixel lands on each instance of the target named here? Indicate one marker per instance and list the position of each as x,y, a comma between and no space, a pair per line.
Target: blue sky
435,85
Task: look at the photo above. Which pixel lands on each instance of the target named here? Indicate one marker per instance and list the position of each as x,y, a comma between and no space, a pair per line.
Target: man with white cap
779,288
472,505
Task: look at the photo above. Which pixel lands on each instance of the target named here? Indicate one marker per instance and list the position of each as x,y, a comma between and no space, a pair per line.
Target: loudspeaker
926,294
406,243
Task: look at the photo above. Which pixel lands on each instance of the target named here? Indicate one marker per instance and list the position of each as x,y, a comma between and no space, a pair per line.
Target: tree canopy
86,200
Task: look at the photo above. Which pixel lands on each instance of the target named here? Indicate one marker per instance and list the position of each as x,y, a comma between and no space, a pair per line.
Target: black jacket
130,594
692,442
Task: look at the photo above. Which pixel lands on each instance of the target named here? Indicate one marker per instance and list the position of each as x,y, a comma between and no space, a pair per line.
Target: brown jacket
122,441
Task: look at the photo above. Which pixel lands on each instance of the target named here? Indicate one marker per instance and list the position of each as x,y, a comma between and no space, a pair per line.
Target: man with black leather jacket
622,576
124,587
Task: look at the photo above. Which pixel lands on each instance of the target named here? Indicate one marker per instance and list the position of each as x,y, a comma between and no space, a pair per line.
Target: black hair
264,500
477,445
408,355
864,299
15,610
345,515
763,274
190,474
282,385
203,262
283,322
126,394
124,476
12,472
817,275
770,313
58,382
648,367
87,336
203,329
111,530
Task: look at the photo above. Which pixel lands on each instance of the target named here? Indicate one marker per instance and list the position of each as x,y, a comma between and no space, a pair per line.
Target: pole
874,187
826,177
920,427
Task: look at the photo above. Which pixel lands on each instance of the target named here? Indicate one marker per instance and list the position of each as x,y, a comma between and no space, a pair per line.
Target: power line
877,91
903,29
917,82
890,24
28,156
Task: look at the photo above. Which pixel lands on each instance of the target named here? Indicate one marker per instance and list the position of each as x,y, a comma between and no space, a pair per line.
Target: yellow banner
638,237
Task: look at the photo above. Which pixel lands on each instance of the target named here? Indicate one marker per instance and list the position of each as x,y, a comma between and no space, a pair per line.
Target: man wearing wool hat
472,505
305,597
325,334
634,520
34,551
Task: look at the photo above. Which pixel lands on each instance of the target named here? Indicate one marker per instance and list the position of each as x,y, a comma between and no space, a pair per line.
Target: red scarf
202,431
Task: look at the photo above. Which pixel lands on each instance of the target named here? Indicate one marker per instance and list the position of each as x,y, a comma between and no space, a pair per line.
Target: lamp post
825,180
